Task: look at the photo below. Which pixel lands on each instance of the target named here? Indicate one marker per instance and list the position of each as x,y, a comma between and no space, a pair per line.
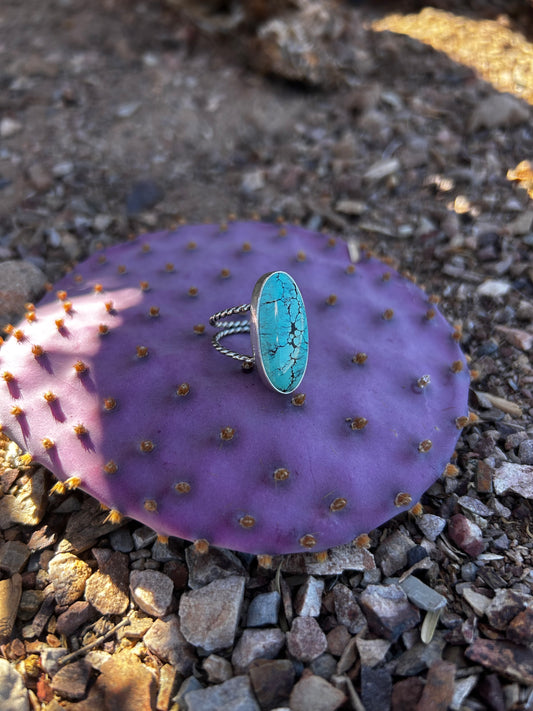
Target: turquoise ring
278,330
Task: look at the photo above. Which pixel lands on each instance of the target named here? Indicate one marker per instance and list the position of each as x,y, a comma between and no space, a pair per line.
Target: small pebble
68,574
13,556
13,693
376,689
525,452
347,610
235,694
391,554
306,641
217,669
143,537
312,693
467,535
9,127
272,681
209,615
71,681
152,591
309,597
431,526
256,644
165,639
388,611
264,609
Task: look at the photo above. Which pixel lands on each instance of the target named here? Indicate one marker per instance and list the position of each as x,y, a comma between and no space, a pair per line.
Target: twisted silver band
229,328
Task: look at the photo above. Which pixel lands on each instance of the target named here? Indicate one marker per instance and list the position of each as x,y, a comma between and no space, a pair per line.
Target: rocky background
408,128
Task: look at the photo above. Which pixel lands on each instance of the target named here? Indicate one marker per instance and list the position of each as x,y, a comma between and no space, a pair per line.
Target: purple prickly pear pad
115,386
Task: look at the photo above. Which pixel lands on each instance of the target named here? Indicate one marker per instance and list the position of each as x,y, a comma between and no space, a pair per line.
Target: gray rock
513,477
420,657
121,540
50,657
376,689
388,611
325,666
209,615
71,681
162,553
235,694
217,669
165,639
431,526
306,641
309,598
216,564
264,609
525,451
391,554
347,610
143,537
13,694
498,110
152,591
13,556
421,595
312,693
20,282
68,574
340,558
256,644
188,685
475,506
372,651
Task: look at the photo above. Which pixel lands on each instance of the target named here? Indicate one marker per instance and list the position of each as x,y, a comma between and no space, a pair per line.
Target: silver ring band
278,330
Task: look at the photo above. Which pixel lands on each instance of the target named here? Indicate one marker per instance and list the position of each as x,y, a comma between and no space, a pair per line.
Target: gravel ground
118,118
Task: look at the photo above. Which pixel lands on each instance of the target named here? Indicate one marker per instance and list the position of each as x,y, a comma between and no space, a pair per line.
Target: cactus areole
112,383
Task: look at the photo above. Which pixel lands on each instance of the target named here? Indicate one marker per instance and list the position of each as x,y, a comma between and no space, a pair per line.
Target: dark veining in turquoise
282,332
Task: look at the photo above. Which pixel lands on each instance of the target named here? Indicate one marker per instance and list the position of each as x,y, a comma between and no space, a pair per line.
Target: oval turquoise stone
281,341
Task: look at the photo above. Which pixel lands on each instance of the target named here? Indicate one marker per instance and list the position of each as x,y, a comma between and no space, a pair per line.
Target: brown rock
467,535
406,694
508,659
520,629
306,641
40,178
126,683
28,505
68,574
164,638
77,615
439,688
337,639
504,606
107,589
312,693
388,611
10,593
272,681
70,682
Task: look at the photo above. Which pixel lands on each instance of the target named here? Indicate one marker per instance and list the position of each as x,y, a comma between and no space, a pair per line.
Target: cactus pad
112,383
